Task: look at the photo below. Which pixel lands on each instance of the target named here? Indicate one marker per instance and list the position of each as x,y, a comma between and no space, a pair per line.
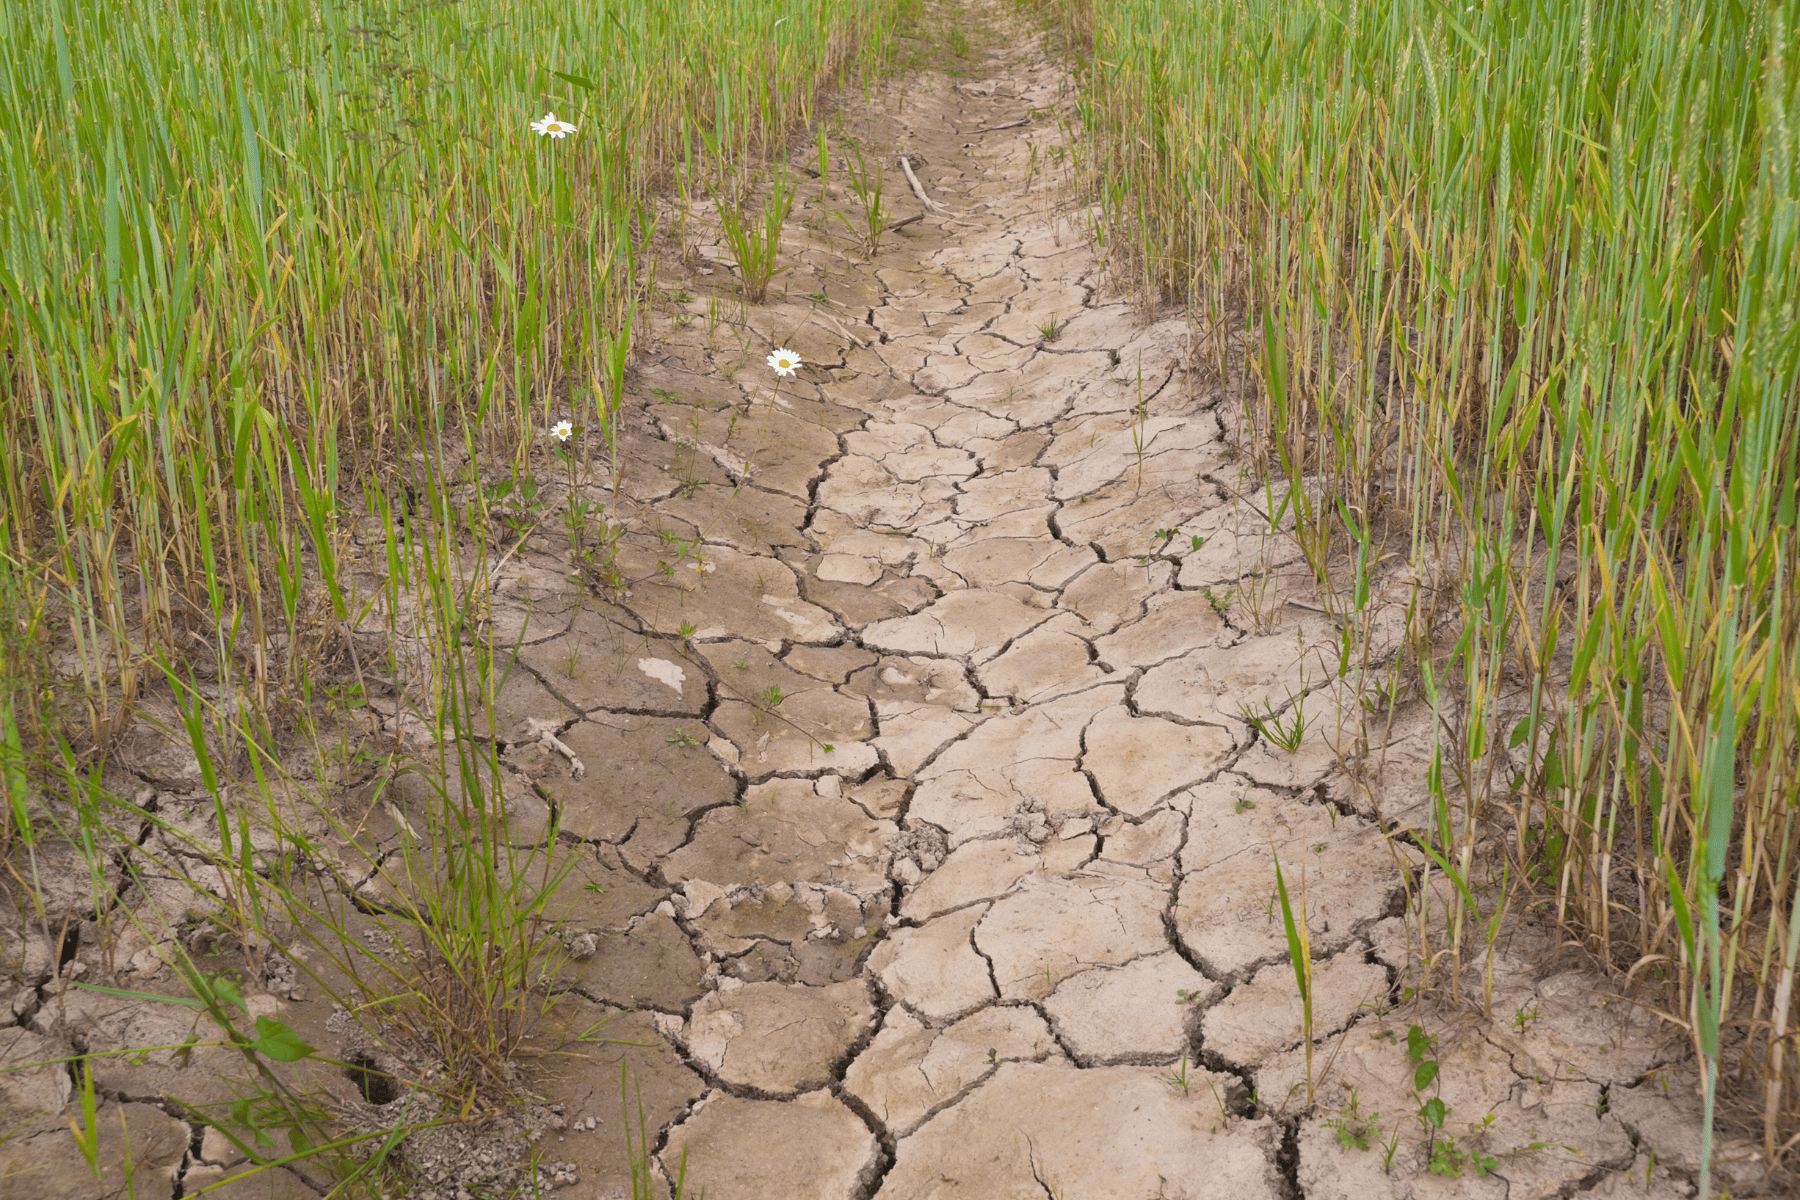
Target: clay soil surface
924,848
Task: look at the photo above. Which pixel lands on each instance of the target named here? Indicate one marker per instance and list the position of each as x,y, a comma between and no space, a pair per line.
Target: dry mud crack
981,906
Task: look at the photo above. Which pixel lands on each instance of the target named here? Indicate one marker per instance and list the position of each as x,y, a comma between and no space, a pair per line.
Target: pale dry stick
546,731
817,316
919,188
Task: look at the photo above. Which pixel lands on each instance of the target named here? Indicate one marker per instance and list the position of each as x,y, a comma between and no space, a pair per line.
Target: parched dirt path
946,918
933,846
924,848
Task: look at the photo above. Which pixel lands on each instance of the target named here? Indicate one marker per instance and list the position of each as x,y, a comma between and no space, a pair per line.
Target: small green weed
1352,1128
1387,1152
1181,1078
1450,1160
1287,735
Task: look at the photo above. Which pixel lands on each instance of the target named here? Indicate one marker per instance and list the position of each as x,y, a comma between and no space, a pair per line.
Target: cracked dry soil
982,906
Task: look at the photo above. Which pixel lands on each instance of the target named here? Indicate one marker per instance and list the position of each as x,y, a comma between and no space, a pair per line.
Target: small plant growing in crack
1523,1017
682,737
1283,735
1049,330
1224,1113
1221,605
643,1183
1299,944
1181,1079
767,701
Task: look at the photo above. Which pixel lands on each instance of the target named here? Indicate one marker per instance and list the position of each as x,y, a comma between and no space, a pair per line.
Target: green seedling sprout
1299,945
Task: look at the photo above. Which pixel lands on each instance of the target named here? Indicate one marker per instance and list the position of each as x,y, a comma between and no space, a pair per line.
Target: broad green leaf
1520,732
227,991
278,1042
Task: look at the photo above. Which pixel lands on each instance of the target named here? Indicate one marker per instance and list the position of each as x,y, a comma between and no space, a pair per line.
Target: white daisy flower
561,431
550,125
785,361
